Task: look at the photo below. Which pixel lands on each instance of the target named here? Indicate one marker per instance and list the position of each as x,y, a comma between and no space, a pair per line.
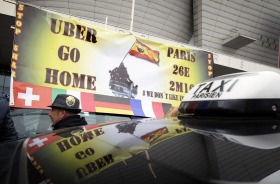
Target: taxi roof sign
242,94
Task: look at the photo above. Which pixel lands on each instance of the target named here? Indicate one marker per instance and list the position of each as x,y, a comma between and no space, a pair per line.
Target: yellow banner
58,52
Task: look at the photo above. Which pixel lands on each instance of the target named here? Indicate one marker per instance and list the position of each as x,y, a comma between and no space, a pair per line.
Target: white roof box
240,94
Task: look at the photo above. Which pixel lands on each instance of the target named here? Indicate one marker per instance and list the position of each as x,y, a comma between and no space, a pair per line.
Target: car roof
146,150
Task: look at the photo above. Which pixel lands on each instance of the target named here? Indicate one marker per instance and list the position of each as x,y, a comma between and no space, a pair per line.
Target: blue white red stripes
148,108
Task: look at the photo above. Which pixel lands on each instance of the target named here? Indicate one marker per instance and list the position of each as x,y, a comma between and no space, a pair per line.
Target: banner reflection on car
75,155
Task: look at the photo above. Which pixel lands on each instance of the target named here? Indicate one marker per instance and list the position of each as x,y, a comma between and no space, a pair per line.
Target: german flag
110,104
141,50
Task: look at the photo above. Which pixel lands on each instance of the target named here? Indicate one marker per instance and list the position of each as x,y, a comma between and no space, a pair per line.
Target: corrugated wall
216,20
169,19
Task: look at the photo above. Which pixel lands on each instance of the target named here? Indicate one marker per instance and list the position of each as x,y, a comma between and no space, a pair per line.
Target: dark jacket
7,129
70,121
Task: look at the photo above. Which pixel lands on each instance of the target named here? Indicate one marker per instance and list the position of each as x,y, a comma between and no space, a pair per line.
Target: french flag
148,108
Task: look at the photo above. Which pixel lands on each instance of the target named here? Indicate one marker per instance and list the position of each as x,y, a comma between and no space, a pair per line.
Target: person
64,112
7,128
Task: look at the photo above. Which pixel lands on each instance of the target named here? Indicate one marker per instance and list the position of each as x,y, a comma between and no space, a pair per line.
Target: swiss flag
35,144
31,96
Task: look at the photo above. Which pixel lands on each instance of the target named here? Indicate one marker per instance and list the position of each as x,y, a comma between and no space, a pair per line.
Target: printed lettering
207,95
68,29
19,15
80,155
84,154
199,86
66,79
76,140
71,30
207,88
64,52
94,166
78,80
100,162
63,145
98,131
14,56
15,47
91,82
208,91
181,54
88,136
20,7
51,76
109,158
91,167
221,87
233,84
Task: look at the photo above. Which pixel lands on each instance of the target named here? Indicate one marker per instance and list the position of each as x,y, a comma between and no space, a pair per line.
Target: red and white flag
31,96
35,144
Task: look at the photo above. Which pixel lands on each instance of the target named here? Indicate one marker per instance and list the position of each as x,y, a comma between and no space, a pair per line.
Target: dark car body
167,150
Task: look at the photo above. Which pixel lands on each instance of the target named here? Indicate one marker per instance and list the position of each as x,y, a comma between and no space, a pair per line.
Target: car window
29,122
